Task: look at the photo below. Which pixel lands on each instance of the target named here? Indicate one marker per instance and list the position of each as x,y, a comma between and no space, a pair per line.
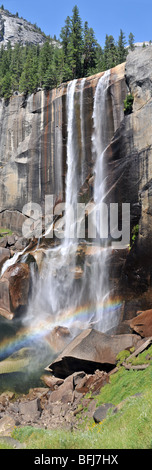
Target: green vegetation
127,426
5,231
128,104
5,445
131,41
76,55
122,356
134,235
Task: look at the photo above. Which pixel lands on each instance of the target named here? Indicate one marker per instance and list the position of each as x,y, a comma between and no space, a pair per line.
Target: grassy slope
128,428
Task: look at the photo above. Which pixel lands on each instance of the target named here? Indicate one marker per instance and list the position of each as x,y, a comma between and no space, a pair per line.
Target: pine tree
121,50
45,57
16,66
99,59
29,77
75,45
6,86
131,41
110,53
65,35
89,51
53,76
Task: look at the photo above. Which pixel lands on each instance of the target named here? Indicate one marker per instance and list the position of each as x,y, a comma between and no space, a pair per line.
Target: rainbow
39,330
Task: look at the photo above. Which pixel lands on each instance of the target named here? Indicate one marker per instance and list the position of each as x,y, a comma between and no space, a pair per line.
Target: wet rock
142,324
4,255
3,242
91,350
11,240
101,412
39,258
20,244
14,289
58,338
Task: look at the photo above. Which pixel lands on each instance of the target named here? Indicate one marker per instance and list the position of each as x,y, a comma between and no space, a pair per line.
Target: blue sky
105,17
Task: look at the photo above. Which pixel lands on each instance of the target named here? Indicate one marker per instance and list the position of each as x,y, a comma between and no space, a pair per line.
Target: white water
99,279
82,129
71,179
99,139
57,291
11,261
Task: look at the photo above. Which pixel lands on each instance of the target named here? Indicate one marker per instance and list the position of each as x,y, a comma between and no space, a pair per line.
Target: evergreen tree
75,45
16,66
131,41
65,38
65,35
53,76
99,59
89,51
25,68
121,51
29,77
6,86
110,53
45,57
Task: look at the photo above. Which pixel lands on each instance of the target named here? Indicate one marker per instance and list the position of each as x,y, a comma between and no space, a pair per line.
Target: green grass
3,445
129,427
4,231
124,384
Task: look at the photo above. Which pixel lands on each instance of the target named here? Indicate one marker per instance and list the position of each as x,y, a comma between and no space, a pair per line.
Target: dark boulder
91,350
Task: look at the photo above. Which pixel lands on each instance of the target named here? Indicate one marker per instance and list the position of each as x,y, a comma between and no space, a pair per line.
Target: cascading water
99,138
104,317
71,180
58,299
82,128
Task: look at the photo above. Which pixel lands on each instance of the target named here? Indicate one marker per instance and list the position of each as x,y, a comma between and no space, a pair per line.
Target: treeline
26,68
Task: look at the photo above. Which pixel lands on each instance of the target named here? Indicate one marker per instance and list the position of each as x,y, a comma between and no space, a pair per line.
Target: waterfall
71,179
59,296
56,290
82,129
99,139
104,315
10,262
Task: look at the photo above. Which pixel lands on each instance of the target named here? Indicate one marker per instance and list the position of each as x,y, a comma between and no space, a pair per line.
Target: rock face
33,140
14,289
33,159
91,350
142,324
4,256
15,29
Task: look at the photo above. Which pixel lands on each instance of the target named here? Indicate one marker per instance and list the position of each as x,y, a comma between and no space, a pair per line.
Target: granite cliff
14,29
33,142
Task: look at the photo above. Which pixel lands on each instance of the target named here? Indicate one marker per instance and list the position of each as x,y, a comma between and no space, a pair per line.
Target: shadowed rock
101,412
91,350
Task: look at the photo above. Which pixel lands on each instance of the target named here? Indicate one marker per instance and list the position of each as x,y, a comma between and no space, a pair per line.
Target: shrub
128,104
